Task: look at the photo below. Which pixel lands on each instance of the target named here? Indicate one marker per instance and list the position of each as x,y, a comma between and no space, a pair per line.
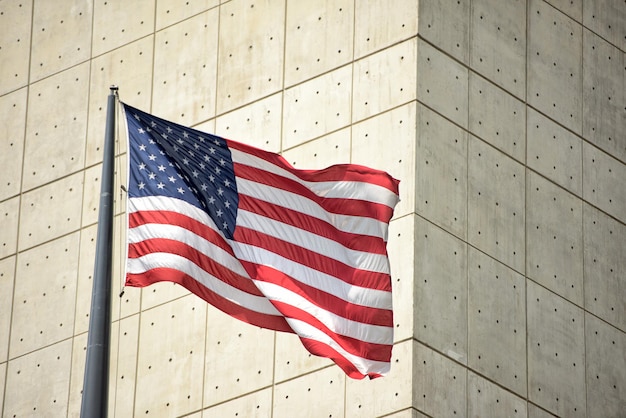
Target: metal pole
95,399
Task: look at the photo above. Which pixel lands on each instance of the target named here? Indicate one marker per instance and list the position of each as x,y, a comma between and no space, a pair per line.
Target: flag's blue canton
176,161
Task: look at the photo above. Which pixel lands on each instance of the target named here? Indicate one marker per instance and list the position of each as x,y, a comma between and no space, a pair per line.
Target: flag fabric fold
301,251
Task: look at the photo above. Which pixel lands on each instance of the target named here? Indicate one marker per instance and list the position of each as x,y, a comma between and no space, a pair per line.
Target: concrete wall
505,122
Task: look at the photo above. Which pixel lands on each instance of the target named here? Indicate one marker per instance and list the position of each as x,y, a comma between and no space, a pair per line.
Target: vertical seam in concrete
217,63
467,198
582,205
351,120
282,101
525,193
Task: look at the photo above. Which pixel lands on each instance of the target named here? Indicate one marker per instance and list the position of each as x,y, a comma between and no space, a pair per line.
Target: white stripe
347,223
155,260
312,242
376,334
170,204
180,234
372,298
364,366
331,189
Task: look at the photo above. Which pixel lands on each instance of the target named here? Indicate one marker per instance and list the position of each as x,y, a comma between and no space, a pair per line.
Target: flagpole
96,379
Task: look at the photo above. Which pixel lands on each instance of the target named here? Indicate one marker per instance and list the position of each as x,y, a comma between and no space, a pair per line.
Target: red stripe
324,264
174,218
322,350
276,323
366,243
339,172
163,245
353,207
366,350
325,300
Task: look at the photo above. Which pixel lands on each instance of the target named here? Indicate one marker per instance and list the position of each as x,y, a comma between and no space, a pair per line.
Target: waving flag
291,250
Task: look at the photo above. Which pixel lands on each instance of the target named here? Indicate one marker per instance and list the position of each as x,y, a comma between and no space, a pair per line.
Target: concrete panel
292,359
129,26
439,384
126,68
375,398
15,20
606,18
60,37
556,352
319,37
554,152
169,12
572,8
605,266
384,80
555,65
440,307
184,86
606,368
484,399
56,126
317,107
401,248
496,323
12,121
377,25
125,336
322,152
604,92
50,211
256,405
9,211
37,384
45,295
441,172
496,204
442,83
603,181
497,117
7,275
251,60
446,24
322,392
387,142
257,124
554,238
242,354
498,43
171,352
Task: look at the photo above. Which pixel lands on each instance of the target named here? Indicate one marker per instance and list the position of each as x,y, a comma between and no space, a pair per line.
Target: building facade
504,121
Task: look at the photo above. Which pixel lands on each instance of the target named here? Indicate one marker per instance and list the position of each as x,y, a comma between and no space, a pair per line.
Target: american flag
300,251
